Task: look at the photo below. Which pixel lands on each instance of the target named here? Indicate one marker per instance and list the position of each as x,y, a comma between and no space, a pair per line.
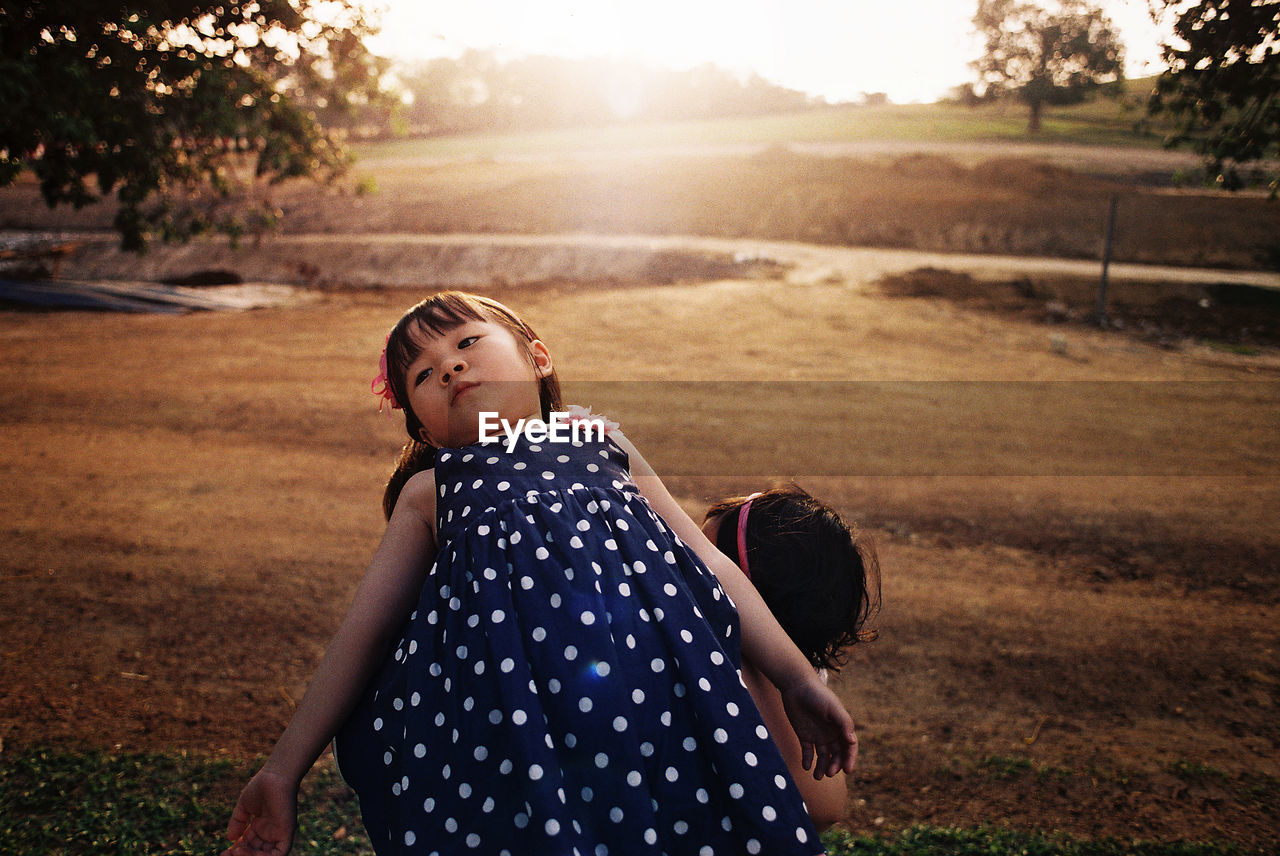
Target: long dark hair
818,575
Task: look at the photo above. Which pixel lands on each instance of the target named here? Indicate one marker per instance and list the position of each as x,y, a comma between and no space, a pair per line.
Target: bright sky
839,49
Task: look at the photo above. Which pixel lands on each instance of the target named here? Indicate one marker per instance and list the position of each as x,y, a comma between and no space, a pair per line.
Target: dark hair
815,572
435,316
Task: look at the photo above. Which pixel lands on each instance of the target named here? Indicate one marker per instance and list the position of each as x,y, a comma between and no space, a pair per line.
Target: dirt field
1080,629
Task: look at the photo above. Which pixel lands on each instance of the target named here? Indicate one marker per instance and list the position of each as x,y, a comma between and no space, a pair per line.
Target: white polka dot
670,590
689,744
539,633
515,538
588,619
721,735
473,841
429,805
637,696
801,835
507,665
583,525
584,704
409,838
736,791
464,790
768,813
377,724
541,553
656,664
680,827
481,753
650,836
633,779
503,485
552,826
702,796
535,772
732,708
620,723
519,717
420,751
570,652
672,774
780,783
751,759
753,846
602,760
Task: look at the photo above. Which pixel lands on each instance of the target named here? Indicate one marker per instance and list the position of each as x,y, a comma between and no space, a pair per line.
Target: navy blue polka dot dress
568,681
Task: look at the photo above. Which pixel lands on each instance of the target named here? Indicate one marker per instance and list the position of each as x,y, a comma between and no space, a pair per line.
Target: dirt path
398,259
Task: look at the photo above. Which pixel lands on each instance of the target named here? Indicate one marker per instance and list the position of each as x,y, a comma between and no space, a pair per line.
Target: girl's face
474,367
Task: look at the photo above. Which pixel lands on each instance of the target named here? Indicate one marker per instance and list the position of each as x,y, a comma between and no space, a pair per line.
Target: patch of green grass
942,841
1100,122
58,803
1004,766
1233,348
1195,771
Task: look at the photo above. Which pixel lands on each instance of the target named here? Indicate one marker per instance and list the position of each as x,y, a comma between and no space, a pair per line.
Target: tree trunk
1033,124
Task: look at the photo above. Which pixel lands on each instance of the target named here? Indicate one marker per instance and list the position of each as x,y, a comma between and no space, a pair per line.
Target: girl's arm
821,723
263,820
826,799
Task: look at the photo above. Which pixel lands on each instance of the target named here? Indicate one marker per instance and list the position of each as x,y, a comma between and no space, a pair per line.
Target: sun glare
836,50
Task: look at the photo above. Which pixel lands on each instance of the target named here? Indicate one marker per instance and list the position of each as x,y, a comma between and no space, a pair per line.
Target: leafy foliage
1223,81
1045,56
157,101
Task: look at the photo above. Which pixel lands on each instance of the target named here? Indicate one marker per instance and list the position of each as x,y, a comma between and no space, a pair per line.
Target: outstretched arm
823,726
264,817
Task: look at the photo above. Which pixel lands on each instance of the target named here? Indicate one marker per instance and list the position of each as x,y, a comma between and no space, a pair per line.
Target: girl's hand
824,727
265,817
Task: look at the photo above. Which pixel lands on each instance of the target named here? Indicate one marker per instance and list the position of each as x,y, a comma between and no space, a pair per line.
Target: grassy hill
1111,122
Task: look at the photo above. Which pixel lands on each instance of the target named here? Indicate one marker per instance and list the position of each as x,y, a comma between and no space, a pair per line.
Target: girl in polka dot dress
543,655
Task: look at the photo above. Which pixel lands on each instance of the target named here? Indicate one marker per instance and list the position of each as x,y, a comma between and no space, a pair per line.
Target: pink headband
742,534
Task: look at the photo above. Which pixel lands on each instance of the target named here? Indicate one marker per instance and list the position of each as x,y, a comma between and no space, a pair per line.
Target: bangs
428,320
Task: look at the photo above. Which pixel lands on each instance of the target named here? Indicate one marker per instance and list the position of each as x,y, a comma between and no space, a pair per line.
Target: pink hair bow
381,385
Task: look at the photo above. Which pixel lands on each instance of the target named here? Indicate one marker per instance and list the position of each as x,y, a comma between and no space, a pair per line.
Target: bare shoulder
419,497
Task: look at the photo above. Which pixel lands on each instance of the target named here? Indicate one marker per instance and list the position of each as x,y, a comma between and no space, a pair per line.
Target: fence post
1106,260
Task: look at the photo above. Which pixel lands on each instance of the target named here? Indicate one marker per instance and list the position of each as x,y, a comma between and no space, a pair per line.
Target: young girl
821,581
538,659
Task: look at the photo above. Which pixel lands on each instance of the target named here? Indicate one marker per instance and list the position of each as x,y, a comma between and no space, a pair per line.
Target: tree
1222,83
159,101
1044,56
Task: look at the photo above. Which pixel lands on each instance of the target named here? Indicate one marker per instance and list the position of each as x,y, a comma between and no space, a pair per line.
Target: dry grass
189,502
